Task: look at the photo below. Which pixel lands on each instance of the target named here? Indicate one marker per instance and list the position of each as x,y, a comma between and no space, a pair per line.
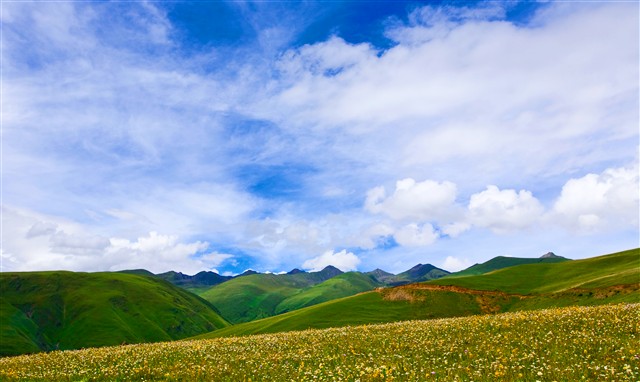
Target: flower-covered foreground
568,344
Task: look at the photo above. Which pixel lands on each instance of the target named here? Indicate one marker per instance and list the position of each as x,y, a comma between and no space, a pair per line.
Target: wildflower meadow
566,344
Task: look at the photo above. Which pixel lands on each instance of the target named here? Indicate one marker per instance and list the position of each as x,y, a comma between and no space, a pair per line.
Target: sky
272,135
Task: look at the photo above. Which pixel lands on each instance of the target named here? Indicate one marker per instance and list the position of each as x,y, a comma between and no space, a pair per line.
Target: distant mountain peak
379,271
379,275
550,255
247,273
419,266
330,268
330,271
295,271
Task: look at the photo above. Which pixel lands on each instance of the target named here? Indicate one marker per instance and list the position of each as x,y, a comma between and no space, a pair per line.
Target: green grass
501,262
252,297
365,308
346,284
597,272
596,281
567,344
67,310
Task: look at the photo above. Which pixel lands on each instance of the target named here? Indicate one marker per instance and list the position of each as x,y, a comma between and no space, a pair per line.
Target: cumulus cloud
57,243
600,201
454,264
343,260
414,235
160,253
504,210
426,200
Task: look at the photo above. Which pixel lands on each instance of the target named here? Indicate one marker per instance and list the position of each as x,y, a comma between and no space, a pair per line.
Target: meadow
561,344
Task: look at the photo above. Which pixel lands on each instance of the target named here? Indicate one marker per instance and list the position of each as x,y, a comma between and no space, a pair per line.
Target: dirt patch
401,294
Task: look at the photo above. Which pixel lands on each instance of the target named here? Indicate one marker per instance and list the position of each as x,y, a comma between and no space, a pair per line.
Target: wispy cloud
259,145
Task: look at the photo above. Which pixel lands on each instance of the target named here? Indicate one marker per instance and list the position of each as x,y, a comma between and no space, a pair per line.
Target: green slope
502,262
602,271
366,308
346,284
606,279
255,296
67,310
420,272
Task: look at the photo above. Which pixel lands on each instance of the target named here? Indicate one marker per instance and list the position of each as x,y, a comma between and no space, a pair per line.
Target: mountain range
68,310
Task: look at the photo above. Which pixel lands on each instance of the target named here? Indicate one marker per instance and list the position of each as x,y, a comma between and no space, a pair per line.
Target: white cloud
600,201
504,210
424,104
57,243
414,235
428,22
138,133
42,228
78,244
454,264
455,229
215,259
422,201
343,260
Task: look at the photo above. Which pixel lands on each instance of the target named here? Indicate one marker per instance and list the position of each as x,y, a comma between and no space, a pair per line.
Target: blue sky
222,135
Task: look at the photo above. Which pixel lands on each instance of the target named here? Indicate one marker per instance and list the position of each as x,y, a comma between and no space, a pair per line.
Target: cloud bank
131,138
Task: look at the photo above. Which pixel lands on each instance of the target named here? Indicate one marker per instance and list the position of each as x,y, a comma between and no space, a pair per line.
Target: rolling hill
263,295
420,272
501,262
247,298
346,284
602,271
199,282
68,310
605,279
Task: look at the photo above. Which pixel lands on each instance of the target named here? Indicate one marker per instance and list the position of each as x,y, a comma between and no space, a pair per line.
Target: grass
251,297
258,296
365,308
597,272
501,262
68,310
601,280
346,284
566,344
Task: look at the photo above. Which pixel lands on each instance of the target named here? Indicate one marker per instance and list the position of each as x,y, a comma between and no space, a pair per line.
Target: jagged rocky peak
550,255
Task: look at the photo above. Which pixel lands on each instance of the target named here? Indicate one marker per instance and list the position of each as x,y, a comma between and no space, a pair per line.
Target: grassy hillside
67,310
346,284
597,272
606,279
365,308
502,262
420,272
570,344
255,296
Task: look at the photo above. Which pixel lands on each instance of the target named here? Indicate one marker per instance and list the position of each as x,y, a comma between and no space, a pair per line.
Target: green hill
346,284
606,279
68,310
255,296
602,271
501,262
420,272
365,308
